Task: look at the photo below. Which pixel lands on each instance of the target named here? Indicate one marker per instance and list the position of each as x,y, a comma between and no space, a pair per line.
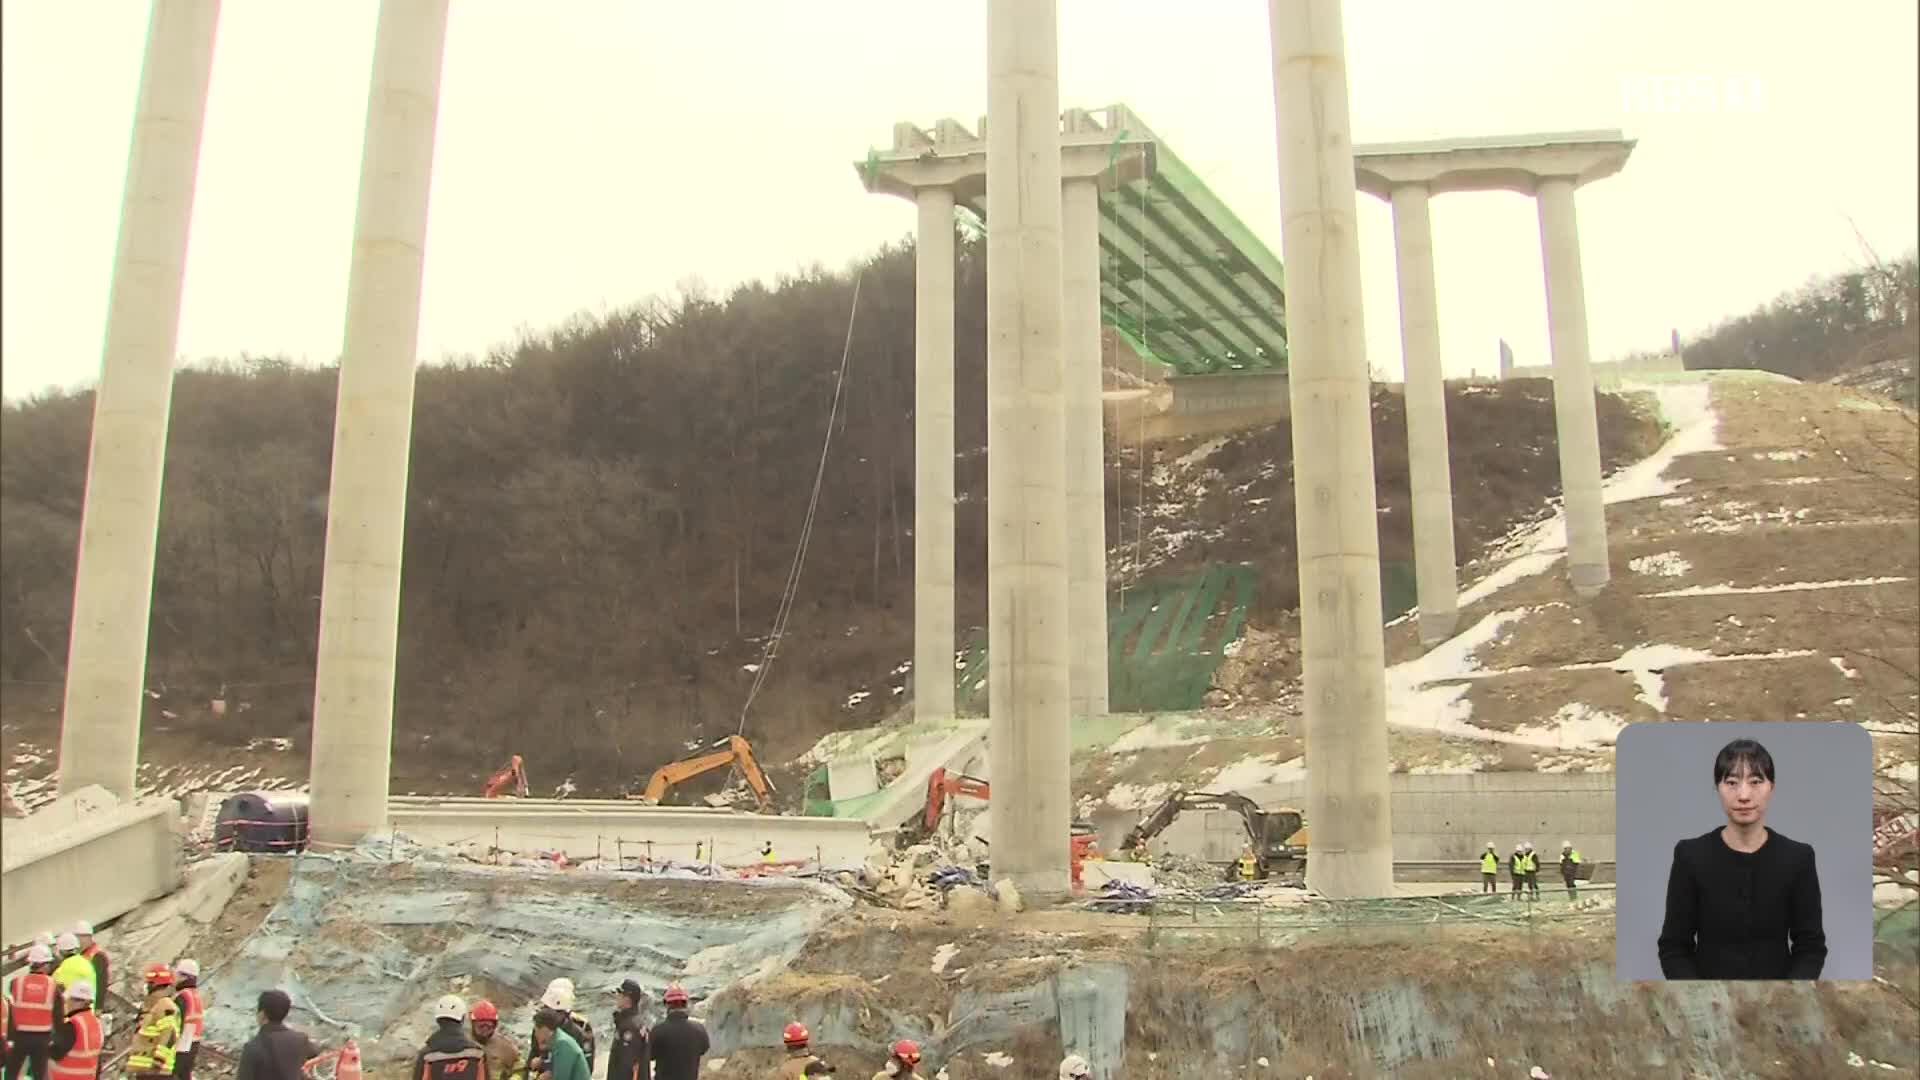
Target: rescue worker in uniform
159,1030
97,956
559,1000
186,996
1075,1067
565,1061
503,1056
78,1039
1247,867
34,1006
1533,872
71,967
795,1038
678,1042
1570,867
627,1057
902,1057
449,1054
1489,870
1517,869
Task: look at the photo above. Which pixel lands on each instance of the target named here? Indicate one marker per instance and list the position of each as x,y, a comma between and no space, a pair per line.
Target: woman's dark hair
1743,754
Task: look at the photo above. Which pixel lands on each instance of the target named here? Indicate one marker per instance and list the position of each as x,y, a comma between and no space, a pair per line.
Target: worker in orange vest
36,1006
77,1042
186,997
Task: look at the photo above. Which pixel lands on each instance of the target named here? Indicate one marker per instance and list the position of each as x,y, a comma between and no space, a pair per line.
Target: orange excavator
943,785
733,751
513,772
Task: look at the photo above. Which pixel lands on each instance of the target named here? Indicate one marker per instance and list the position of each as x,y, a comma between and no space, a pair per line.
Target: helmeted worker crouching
158,1033
449,1054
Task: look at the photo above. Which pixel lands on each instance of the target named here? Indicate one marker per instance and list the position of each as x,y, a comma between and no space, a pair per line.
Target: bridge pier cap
1096,144
1515,163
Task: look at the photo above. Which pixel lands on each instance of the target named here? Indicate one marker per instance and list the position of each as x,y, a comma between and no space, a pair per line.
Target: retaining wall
86,857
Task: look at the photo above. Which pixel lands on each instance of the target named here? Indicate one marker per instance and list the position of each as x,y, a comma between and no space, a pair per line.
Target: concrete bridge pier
373,429
933,646
1426,402
120,519
1086,446
1573,402
1342,642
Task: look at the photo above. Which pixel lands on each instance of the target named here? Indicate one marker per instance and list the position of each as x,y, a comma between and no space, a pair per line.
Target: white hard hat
83,928
1075,1067
67,943
1566,843
557,997
39,954
44,937
81,990
450,1008
188,968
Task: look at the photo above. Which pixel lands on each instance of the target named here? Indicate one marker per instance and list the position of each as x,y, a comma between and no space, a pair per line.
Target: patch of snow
1676,500
1841,666
750,668
857,697
1418,693
1797,586
1259,770
1665,564
1843,701
1181,731
996,1059
1135,797
1783,455
1198,454
1576,725
269,744
905,666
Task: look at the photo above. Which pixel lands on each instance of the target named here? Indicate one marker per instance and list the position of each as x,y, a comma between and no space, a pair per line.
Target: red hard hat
675,995
908,1051
159,975
795,1035
483,1012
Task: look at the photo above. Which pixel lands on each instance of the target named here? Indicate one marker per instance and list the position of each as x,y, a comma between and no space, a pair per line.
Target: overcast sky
593,152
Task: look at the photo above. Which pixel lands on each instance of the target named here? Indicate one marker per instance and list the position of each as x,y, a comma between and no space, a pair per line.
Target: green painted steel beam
1266,317
1206,290
1186,325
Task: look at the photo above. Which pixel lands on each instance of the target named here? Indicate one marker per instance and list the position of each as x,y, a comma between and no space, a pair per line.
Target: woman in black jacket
1743,901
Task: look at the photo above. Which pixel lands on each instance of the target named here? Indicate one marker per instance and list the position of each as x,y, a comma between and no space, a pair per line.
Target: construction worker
449,1054
565,1061
1247,867
1489,870
678,1042
627,1057
1139,853
1517,869
1569,867
795,1038
1533,872
1075,1067
159,1031
559,1000
186,996
34,1007
71,965
75,1053
503,1056
89,948
766,852
902,1056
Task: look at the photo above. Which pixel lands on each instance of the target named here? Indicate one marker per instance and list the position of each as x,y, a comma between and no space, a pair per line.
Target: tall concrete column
1086,449
1573,404
1028,739
1342,645
373,429
120,519
933,650
1430,472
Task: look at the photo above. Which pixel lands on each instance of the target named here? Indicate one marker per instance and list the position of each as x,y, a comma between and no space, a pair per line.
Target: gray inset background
1823,795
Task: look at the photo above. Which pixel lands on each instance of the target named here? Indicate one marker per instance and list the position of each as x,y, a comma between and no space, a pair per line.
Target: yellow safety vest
1489,864
1531,861
1573,855
74,968
1248,867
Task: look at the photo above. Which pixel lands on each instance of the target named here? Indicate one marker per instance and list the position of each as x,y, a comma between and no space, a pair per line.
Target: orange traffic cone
349,1067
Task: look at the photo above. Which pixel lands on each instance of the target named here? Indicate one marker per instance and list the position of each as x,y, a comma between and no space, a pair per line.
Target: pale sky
593,152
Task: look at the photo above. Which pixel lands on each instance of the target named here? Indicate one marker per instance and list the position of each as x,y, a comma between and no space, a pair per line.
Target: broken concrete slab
86,856
164,929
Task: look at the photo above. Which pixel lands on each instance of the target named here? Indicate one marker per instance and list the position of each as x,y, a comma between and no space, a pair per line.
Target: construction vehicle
943,786
733,751
514,772
1278,836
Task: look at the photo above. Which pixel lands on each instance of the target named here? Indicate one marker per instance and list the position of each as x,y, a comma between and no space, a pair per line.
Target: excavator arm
941,784
515,773
738,751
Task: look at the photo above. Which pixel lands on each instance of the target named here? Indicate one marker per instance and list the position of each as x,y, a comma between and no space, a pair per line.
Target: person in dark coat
1743,901
276,1051
678,1042
627,1057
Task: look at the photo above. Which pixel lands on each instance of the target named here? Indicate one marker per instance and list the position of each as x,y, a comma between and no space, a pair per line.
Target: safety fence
1176,921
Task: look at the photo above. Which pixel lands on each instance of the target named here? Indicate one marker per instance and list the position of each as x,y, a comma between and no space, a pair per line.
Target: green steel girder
1201,300
1267,313
1128,283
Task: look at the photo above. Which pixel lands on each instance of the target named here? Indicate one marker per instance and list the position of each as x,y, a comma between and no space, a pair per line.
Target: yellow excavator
734,751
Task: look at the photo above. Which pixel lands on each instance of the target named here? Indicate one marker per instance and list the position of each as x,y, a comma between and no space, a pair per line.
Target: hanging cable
784,613
1140,504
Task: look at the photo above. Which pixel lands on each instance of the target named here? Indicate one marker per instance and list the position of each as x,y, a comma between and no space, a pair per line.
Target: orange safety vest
32,1002
191,1022
83,1061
